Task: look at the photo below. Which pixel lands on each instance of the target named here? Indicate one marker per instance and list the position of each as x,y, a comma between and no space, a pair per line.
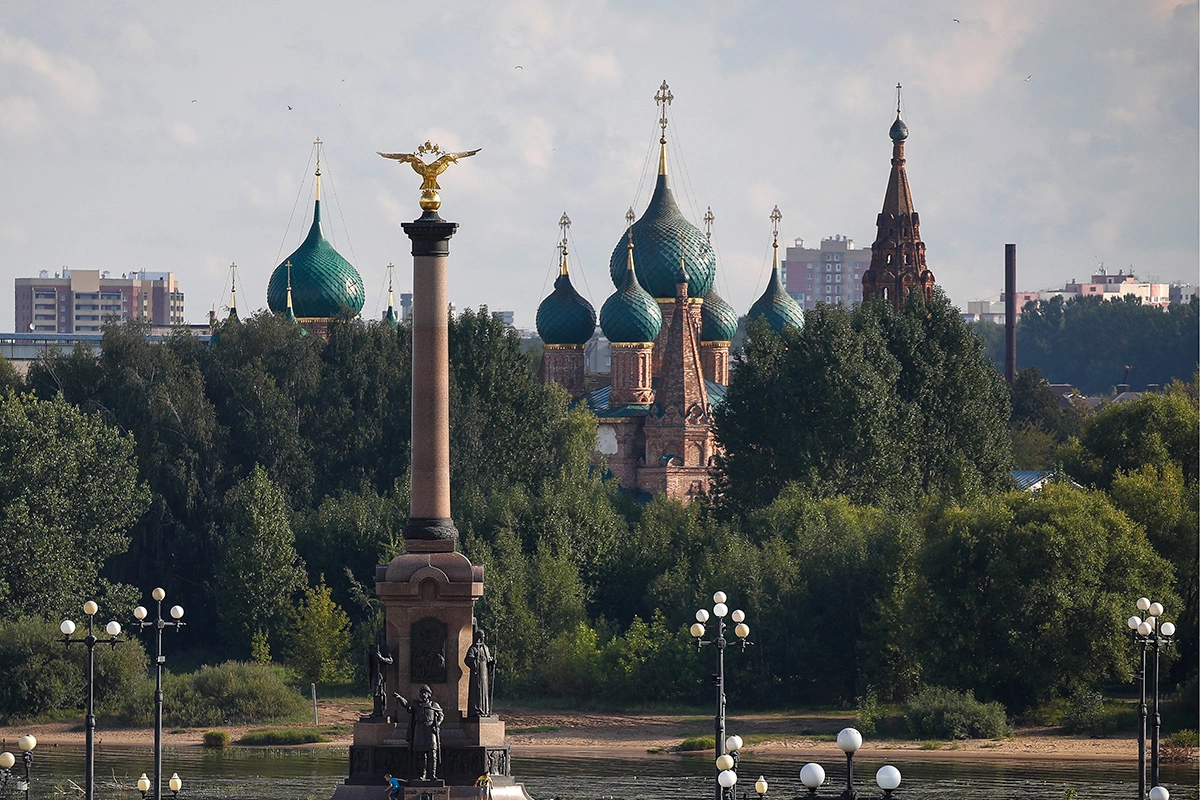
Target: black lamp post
7,760
158,623
742,630
113,629
1152,637
849,740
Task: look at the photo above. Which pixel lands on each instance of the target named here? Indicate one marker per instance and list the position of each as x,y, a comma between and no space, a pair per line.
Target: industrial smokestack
1010,312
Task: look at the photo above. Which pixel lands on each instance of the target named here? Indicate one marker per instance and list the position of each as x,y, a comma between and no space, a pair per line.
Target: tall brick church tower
898,254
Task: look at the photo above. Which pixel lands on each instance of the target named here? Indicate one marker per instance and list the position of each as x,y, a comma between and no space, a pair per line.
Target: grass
930,744
217,740
263,737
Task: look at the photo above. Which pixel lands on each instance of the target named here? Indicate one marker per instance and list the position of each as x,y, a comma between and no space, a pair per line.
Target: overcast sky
172,136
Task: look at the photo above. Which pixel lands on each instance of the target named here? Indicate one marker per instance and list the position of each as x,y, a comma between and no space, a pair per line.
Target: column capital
430,234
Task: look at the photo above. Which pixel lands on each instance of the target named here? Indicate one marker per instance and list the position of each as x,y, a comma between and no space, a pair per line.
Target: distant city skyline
169,139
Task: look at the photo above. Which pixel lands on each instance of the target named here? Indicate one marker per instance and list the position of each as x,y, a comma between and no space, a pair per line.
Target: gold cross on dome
564,222
776,218
663,98
709,219
897,98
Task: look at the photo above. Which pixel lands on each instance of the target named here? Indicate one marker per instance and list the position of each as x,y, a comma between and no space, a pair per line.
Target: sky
171,136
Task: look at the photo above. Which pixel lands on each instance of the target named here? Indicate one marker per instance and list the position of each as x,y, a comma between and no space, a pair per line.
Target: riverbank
584,733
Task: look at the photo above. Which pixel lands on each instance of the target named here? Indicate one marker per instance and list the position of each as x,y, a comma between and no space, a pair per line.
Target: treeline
865,522
1089,342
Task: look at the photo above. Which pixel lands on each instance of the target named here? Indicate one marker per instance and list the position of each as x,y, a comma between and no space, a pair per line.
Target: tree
1088,341
877,406
260,571
1024,596
69,494
319,639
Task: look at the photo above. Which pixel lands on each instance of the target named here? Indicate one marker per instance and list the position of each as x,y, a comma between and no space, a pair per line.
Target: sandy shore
583,733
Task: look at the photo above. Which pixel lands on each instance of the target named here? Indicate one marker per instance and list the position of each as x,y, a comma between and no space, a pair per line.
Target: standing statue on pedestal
379,656
424,732
482,665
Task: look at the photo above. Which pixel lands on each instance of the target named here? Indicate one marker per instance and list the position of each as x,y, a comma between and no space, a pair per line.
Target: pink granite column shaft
430,526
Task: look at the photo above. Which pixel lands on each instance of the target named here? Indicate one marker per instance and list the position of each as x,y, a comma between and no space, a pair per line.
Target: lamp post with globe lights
7,760
719,642
113,629
175,784
158,623
1151,636
812,775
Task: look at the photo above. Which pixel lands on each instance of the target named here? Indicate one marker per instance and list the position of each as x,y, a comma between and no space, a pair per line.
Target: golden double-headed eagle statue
429,172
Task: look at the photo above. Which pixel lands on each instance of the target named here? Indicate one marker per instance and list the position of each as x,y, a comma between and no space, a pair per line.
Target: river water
298,774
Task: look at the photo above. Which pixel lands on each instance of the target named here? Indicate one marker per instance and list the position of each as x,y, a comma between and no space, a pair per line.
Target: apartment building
82,300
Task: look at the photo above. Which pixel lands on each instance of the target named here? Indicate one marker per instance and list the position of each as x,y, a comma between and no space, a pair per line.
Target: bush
1085,712
695,743
42,676
937,712
216,739
232,692
1088,713
280,736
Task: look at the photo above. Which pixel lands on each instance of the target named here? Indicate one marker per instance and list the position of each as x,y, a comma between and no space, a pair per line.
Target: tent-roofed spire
390,315
233,314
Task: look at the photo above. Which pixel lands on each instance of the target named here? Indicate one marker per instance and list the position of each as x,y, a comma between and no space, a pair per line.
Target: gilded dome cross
709,219
663,98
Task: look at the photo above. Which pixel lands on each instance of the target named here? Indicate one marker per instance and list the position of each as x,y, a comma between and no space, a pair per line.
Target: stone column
430,527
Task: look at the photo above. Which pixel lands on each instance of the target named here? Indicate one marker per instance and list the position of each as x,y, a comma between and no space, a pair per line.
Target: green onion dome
630,314
777,306
565,317
323,283
898,131
718,320
661,236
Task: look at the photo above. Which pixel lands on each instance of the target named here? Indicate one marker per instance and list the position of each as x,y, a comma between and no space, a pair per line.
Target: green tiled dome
777,306
323,283
899,131
630,314
659,236
565,317
718,320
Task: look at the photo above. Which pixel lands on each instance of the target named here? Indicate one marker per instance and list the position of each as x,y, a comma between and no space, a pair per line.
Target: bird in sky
289,108
1028,78
957,20
518,66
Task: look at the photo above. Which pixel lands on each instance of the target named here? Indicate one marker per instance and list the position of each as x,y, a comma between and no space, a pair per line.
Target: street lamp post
1152,637
158,623
7,760
849,740
113,629
742,630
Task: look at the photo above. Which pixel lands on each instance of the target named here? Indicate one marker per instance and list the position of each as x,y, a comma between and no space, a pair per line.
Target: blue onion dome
323,283
630,314
718,320
777,306
565,317
661,236
899,131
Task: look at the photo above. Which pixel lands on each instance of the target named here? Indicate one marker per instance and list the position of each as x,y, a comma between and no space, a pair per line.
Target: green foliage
260,647
1185,738
42,677
696,743
319,640
947,714
69,494
877,406
229,693
1087,342
266,737
1002,577
1088,713
217,740
260,571
10,379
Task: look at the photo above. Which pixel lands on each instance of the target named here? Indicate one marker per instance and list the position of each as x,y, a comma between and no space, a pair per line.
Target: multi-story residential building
830,274
1101,284
81,300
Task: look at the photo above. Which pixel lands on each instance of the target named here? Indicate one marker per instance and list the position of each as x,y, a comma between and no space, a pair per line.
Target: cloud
183,133
76,82
20,117
137,39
